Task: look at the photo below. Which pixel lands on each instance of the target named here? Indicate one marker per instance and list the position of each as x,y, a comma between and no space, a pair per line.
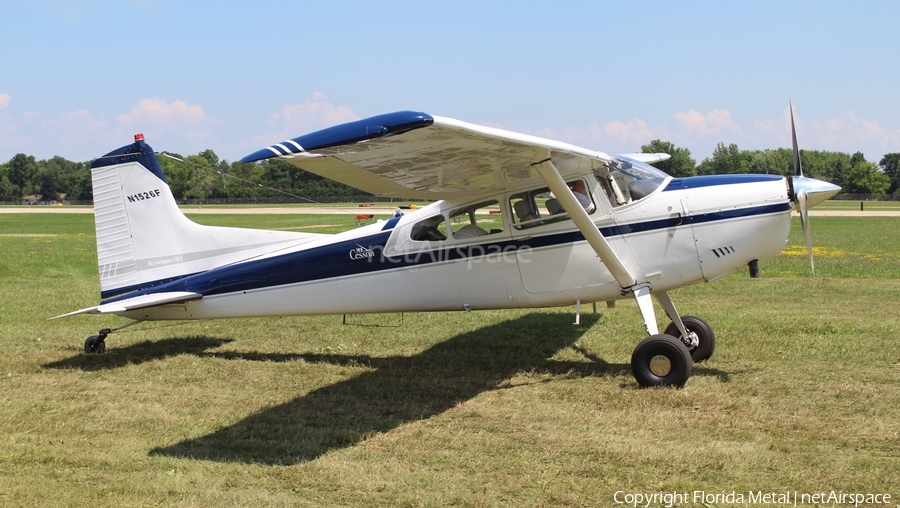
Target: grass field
511,408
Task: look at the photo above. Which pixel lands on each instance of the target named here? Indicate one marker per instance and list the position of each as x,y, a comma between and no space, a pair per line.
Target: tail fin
144,240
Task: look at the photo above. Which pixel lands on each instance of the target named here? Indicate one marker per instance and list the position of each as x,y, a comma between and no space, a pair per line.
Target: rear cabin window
473,221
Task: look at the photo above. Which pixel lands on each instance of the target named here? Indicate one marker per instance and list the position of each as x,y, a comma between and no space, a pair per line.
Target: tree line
201,176
205,176
853,173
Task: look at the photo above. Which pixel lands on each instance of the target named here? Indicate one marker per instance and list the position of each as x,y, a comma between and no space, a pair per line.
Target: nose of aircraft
816,191
807,193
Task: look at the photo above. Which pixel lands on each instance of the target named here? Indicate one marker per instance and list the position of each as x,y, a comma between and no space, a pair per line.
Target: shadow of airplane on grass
398,390
395,391
141,352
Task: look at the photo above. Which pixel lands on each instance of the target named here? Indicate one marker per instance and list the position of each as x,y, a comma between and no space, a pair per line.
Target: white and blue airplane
517,221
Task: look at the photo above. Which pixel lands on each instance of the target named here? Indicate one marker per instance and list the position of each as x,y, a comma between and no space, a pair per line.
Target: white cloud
176,126
157,112
715,123
5,98
311,115
81,134
613,137
846,132
634,132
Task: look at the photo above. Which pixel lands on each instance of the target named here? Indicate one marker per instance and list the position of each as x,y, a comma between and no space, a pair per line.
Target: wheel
94,345
705,335
661,360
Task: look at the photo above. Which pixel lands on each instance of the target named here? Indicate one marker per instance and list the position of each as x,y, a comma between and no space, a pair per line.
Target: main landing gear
666,359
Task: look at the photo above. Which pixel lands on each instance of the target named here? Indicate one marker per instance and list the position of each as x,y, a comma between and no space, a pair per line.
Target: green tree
679,165
186,177
770,162
8,191
833,167
21,169
48,188
866,178
890,164
66,174
725,160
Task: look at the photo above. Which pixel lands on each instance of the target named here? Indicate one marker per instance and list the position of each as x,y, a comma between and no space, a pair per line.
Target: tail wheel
707,339
95,344
661,360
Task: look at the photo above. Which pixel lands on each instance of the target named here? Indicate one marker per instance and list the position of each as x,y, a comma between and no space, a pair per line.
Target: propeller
807,193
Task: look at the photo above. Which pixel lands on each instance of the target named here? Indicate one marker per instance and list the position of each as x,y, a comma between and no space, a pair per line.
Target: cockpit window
627,180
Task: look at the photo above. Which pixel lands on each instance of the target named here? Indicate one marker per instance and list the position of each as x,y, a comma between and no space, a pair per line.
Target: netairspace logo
785,498
473,254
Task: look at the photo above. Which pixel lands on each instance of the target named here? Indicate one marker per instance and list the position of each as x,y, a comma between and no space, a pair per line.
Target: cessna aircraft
518,222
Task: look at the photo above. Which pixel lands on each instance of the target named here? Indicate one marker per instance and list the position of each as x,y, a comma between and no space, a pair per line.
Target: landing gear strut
665,359
706,338
96,344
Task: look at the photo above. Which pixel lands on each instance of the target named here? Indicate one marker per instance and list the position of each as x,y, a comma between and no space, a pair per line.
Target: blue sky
79,78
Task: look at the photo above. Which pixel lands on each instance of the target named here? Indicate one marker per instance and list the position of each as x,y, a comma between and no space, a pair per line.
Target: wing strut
581,219
627,281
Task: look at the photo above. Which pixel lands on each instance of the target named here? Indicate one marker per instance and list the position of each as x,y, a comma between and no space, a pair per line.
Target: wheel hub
691,341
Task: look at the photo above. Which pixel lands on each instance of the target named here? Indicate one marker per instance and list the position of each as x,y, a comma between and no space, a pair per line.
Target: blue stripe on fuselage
694,182
365,255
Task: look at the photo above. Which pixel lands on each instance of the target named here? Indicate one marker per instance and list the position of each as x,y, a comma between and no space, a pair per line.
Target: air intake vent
721,252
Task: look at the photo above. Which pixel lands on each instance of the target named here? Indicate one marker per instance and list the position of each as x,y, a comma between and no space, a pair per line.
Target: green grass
506,408
869,206
845,247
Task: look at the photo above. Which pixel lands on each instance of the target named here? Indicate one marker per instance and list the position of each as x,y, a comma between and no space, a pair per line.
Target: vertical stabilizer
143,238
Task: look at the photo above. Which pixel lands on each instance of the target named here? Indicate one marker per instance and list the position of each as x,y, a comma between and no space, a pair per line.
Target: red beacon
138,137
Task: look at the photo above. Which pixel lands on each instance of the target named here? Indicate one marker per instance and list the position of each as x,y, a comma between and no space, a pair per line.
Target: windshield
627,180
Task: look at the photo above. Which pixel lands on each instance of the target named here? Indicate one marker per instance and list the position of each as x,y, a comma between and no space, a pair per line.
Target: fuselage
684,231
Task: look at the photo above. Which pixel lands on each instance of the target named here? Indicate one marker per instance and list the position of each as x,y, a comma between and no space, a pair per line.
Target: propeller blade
798,170
807,193
804,221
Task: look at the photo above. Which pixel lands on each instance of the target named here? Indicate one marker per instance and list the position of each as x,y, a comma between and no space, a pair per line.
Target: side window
432,229
476,220
540,206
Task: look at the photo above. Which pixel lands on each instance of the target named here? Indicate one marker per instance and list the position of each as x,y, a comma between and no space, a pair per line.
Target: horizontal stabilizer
138,302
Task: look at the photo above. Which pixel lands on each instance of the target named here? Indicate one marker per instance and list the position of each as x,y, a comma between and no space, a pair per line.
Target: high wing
412,154
416,155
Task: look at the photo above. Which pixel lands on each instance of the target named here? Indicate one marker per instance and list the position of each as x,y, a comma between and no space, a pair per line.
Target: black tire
661,360
94,345
705,334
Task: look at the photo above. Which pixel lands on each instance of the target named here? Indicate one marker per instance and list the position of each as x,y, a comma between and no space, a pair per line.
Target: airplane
517,221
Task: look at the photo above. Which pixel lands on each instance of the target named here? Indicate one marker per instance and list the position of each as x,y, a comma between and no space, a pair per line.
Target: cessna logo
361,253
